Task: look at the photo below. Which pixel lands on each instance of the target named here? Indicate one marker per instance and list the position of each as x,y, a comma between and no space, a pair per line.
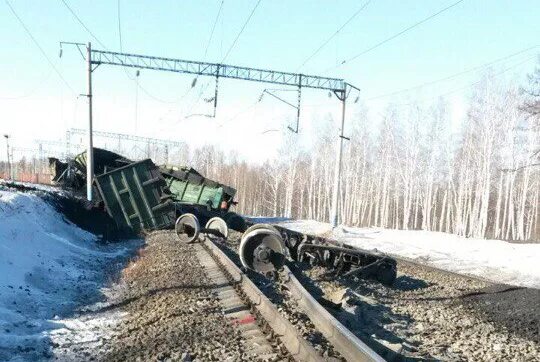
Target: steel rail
345,342
297,346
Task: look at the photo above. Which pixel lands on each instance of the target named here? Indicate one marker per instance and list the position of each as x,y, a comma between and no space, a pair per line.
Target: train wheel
262,226
219,225
187,228
262,249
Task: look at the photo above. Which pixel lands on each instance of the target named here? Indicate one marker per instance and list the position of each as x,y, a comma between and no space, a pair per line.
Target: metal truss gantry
217,70
121,136
127,137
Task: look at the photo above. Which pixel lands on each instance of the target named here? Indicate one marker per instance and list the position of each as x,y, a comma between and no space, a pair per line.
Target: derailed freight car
205,198
139,196
134,195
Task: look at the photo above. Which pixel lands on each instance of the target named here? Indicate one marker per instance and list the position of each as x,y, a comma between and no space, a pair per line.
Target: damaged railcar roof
186,173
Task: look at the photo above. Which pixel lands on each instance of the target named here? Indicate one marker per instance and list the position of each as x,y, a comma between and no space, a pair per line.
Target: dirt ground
430,315
168,312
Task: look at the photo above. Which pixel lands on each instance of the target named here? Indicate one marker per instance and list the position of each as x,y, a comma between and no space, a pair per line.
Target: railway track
346,344
263,309
427,314
194,302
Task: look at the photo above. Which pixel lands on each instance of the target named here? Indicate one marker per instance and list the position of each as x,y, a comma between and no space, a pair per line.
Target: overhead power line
82,24
334,34
523,61
470,85
213,29
120,43
119,25
39,46
203,88
249,107
79,20
382,42
241,31
452,76
32,91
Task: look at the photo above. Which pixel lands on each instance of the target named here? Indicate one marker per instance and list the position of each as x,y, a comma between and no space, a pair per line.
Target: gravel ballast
169,312
428,314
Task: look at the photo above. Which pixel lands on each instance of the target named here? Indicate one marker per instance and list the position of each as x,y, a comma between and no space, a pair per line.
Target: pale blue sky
280,35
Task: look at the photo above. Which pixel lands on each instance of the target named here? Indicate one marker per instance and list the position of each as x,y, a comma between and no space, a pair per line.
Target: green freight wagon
194,193
190,187
72,174
135,197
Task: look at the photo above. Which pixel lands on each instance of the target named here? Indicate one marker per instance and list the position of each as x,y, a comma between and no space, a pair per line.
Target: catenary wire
119,25
213,29
384,41
204,58
83,25
230,48
241,30
333,35
39,46
452,76
79,20
34,90
470,85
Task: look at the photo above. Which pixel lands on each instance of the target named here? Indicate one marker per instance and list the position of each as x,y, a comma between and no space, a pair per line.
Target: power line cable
241,30
79,20
334,34
83,25
119,26
375,46
494,75
135,79
523,61
39,46
213,29
204,57
229,50
452,76
246,109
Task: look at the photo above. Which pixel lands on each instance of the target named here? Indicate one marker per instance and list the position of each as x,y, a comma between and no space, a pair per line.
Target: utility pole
90,150
8,163
11,168
342,96
40,148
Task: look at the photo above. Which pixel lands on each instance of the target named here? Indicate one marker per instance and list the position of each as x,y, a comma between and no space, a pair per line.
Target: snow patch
48,268
88,330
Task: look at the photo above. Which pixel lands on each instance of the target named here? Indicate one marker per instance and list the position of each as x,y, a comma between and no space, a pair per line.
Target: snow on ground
48,268
495,260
